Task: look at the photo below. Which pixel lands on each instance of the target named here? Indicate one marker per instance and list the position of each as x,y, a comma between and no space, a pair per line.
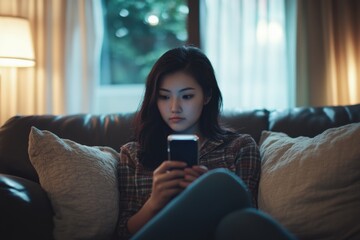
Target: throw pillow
81,184
312,185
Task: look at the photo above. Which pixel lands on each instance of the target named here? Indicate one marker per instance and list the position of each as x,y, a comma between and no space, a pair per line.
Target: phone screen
183,147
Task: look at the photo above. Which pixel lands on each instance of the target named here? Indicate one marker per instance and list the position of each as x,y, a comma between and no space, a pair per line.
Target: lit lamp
16,48
16,45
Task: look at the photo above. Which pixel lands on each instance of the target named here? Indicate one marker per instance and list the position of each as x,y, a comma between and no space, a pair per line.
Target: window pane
137,33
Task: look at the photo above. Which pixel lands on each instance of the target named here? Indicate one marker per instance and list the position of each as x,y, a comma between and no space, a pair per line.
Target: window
137,33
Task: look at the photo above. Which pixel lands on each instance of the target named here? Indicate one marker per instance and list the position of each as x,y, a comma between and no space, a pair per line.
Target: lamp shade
16,45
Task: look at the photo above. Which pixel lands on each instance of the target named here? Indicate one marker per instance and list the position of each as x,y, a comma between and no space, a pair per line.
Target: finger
184,184
169,175
173,174
168,165
191,172
163,178
201,169
190,178
168,185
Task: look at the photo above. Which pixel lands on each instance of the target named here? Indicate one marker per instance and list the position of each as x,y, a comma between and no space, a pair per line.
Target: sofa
27,208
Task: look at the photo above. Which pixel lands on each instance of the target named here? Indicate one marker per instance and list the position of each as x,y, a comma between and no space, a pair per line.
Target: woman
161,197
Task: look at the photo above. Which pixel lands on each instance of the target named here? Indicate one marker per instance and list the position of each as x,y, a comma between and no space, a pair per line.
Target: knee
250,223
225,183
222,177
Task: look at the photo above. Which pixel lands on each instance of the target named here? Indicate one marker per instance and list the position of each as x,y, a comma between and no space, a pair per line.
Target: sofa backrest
113,130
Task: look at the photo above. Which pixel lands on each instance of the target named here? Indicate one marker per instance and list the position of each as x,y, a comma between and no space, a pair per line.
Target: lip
175,119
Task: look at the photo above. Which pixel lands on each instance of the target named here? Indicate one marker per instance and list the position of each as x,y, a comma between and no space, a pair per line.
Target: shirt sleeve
129,203
248,165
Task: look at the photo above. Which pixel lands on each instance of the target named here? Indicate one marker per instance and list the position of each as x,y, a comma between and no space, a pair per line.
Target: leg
196,212
250,224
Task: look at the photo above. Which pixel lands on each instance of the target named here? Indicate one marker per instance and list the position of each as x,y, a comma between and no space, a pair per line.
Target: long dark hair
150,129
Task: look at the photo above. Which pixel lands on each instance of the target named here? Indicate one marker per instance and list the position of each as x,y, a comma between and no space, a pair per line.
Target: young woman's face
180,102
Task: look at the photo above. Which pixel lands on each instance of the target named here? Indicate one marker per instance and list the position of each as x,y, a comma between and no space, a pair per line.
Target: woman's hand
192,174
167,183
169,179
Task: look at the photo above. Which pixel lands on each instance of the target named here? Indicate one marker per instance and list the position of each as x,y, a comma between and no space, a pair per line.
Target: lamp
16,50
16,45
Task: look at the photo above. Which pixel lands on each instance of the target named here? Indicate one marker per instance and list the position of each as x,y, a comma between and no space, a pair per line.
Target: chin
178,129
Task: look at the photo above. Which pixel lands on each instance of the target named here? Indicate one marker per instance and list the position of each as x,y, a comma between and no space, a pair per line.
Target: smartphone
183,147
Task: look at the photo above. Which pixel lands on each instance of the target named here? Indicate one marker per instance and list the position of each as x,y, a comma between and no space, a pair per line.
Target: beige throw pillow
312,185
80,182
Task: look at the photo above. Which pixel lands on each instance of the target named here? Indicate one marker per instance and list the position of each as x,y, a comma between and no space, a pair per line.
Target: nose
175,105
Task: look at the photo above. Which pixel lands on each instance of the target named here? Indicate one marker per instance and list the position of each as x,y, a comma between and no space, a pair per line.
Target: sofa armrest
26,211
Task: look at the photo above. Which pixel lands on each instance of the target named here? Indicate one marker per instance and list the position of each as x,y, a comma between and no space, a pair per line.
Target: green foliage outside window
137,33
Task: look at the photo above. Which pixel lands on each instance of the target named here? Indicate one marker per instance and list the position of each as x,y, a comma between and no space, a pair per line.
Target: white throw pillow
312,185
81,183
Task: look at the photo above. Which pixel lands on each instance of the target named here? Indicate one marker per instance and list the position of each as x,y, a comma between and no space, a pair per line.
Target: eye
163,97
188,96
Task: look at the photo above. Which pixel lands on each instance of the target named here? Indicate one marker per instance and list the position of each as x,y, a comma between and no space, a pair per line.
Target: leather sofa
25,210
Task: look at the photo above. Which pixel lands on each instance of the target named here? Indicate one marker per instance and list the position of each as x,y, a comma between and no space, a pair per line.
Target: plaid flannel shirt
237,152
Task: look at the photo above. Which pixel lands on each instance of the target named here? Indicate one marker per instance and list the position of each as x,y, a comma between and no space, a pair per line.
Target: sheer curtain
328,52
67,39
251,44
84,31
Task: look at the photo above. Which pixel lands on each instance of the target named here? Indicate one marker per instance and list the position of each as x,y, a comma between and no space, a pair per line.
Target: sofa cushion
80,182
312,185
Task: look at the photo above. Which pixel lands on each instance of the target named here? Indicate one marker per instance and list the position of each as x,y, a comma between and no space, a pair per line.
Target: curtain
251,44
84,31
67,46
328,52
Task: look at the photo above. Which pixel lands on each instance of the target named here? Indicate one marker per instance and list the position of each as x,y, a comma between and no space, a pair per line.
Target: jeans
215,206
